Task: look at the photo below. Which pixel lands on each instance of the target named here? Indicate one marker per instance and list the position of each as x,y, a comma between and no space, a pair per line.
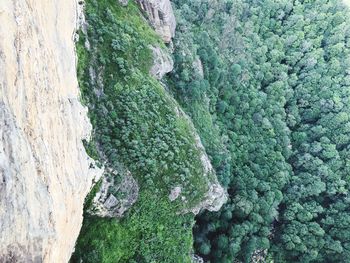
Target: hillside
158,131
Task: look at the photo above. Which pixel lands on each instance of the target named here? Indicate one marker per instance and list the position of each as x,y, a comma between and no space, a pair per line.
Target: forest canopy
272,108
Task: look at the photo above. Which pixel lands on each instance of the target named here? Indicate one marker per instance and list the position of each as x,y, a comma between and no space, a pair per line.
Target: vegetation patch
137,126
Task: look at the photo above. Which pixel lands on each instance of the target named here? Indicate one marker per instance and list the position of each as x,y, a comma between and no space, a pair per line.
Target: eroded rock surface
45,173
216,195
161,16
123,2
197,259
117,193
175,193
198,67
162,62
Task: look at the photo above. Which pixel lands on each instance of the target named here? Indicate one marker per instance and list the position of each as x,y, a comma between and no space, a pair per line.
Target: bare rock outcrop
116,194
175,193
123,2
45,172
162,62
198,67
197,259
161,16
216,196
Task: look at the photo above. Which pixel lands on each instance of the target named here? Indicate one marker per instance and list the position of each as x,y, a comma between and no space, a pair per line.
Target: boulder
117,193
161,16
123,2
162,62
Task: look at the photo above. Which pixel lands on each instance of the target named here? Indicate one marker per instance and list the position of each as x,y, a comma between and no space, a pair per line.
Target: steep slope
45,173
139,130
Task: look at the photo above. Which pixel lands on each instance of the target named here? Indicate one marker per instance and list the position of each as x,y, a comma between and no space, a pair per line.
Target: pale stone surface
114,198
162,62
123,2
198,67
197,259
175,193
161,16
45,173
216,195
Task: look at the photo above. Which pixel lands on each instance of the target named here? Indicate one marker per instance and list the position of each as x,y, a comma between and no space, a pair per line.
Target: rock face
198,67
114,198
45,173
162,62
197,259
175,193
161,16
123,2
216,195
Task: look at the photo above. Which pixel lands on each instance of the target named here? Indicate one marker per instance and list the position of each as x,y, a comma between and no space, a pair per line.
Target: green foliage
248,117
152,232
91,195
276,104
154,143
137,126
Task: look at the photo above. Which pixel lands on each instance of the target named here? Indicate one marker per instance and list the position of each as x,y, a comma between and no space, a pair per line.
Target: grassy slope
136,124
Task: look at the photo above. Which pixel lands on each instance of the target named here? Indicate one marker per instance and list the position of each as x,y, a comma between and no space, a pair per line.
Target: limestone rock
162,62
216,195
214,199
123,2
161,16
114,198
175,193
259,256
45,172
197,259
198,67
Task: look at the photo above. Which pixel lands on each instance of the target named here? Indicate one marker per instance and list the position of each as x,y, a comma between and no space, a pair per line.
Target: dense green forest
276,95
267,86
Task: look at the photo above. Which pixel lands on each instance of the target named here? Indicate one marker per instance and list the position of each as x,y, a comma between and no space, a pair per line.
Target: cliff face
161,16
45,173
